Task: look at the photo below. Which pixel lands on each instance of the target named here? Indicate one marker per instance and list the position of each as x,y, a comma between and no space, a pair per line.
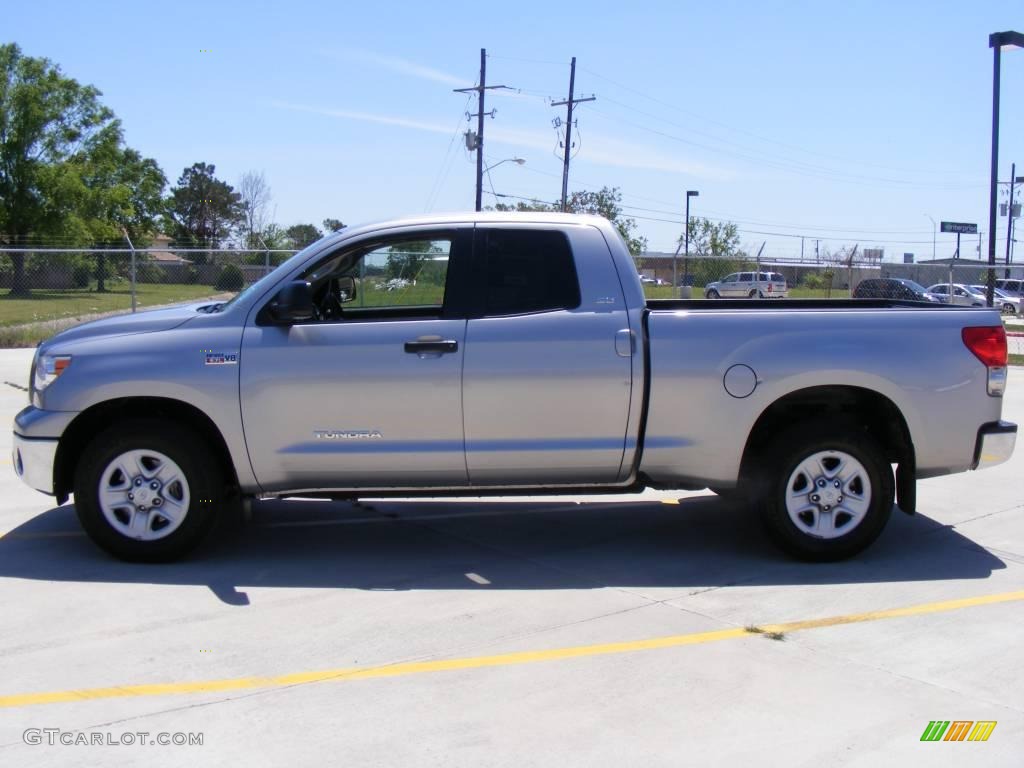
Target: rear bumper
995,444
33,461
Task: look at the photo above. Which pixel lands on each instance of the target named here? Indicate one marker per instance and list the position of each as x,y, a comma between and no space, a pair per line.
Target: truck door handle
437,347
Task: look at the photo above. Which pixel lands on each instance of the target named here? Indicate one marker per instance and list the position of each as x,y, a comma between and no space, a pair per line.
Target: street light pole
487,171
1009,218
996,41
933,235
689,193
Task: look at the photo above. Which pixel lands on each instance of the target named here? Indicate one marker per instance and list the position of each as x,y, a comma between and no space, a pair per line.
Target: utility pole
478,140
801,250
1009,219
816,258
569,103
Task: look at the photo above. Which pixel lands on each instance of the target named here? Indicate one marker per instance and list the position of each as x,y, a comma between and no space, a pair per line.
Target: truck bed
844,304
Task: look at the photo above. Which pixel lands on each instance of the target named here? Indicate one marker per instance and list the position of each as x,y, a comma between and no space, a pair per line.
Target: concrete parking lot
648,630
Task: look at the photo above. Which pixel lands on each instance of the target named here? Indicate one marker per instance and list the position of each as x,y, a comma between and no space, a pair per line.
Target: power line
797,167
676,108
442,172
795,235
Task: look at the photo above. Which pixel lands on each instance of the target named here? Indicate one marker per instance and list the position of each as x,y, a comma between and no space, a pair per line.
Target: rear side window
528,271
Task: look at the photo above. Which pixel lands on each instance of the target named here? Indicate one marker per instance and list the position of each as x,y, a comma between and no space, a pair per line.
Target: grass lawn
1016,359
47,305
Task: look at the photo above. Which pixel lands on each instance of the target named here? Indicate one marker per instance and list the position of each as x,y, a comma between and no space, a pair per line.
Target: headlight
48,368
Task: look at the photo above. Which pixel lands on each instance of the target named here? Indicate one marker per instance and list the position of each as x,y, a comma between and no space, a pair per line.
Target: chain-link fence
45,290
703,277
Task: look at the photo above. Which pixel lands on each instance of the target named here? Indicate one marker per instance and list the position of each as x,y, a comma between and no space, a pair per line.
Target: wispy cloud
596,149
399,65
366,117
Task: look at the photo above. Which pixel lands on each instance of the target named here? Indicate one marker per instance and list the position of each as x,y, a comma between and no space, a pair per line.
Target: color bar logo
958,730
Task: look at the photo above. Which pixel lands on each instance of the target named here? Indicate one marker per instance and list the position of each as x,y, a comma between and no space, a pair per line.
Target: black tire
752,295
712,294
783,459
1009,309
203,483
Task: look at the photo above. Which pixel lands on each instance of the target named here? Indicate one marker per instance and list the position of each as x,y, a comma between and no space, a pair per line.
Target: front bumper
995,444
33,460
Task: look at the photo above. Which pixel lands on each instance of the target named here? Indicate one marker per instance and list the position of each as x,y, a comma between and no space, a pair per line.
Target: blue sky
847,122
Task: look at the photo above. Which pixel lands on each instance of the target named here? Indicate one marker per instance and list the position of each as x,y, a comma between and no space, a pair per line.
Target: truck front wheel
147,490
827,493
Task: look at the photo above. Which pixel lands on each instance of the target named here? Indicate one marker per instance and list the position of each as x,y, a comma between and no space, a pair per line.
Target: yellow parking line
499,660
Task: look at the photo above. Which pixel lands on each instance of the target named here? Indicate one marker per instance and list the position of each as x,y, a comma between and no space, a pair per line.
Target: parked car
962,295
748,285
1007,302
893,288
1012,286
536,366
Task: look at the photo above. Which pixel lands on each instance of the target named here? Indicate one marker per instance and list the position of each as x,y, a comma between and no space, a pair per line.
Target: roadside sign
959,227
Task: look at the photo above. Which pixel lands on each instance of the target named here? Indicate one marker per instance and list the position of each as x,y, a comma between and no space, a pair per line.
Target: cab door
549,359
369,394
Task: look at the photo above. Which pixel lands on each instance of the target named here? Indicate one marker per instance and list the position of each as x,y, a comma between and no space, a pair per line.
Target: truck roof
479,217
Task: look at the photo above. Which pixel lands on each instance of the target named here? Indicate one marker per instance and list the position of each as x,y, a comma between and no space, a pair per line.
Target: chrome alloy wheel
828,494
143,495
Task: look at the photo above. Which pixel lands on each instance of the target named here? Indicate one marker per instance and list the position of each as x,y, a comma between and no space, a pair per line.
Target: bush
230,278
147,272
82,275
819,280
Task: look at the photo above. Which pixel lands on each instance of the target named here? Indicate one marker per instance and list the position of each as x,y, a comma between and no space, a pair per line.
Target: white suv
748,285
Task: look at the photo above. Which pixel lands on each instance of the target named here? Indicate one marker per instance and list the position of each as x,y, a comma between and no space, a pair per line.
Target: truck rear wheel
827,491
148,490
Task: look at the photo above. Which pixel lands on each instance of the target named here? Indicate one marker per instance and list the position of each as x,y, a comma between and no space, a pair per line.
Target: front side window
408,275
528,270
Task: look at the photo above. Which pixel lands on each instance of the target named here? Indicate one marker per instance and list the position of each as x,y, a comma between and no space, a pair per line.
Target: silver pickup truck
500,354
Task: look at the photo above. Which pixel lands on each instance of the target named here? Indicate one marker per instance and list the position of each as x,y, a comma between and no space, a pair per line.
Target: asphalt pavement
652,629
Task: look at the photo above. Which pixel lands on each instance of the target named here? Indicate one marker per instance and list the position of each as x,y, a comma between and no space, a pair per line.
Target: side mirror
346,289
293,303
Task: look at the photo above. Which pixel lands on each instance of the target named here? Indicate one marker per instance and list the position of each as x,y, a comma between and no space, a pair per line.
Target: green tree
302,235
202,210
123,194
407,260
711,240
64,173
332,225
606,202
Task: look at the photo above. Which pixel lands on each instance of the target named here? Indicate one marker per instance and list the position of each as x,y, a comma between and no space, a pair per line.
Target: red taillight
988,343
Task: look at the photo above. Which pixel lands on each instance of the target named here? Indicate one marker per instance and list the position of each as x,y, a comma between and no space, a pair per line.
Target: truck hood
147,321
